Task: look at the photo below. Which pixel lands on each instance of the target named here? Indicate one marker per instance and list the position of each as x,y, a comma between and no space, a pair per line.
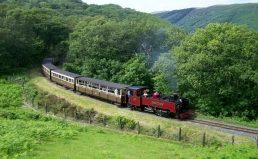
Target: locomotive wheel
173,115
130,106
158,112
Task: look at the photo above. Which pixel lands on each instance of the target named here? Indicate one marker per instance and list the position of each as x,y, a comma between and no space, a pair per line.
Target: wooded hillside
192,18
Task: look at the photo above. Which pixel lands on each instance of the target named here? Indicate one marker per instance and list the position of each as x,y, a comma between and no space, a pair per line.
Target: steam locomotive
135,97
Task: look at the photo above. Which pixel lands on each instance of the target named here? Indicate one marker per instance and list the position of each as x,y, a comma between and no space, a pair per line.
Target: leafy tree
161,84
217,68
99,38
135,73
27,35
165,73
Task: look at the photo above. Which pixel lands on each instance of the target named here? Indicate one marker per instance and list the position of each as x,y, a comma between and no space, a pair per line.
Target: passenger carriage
47,68
64,78
109,91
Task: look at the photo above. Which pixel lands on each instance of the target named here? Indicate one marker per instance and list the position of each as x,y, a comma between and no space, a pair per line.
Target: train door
135,95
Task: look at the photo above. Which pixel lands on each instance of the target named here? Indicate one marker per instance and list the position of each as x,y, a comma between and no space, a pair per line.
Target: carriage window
70,80
81,82
111,90
66,78
95,86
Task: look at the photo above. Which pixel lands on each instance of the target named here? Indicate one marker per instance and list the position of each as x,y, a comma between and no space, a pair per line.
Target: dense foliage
102,38
192,18
165,80
135,73
27,35
217,68
99,46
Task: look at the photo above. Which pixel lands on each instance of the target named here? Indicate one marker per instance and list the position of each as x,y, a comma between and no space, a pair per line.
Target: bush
131,124
123,122
101,118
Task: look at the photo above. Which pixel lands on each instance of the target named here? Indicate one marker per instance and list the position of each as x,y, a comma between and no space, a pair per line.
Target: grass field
102,143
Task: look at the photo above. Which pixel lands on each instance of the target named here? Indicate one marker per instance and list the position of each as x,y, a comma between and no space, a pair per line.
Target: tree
135,73
161,84
217,68
165,73
28,35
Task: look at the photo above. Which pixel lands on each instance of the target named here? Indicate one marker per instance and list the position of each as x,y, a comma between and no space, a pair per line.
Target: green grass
103,143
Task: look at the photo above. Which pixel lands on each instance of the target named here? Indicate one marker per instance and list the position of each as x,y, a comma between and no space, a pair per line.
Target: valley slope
192,18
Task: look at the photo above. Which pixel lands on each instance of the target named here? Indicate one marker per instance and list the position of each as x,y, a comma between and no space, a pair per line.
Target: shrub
121,121
89,114
131,124
101,118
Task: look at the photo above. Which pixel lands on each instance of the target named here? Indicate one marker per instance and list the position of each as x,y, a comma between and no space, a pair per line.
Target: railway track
226,126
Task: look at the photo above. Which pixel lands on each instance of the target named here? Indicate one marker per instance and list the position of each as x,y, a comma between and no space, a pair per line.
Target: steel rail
226,126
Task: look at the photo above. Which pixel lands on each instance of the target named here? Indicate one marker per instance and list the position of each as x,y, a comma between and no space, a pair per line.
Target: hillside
192,18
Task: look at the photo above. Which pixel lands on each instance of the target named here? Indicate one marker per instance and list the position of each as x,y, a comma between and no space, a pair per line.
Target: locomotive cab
182,108
134,95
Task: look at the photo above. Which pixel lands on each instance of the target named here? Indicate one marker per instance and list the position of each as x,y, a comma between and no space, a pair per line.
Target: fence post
203,139
104,120
64,113
257,141
180,134
158,135
90,121
233,140
120,123
46,107
138,127
75,114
